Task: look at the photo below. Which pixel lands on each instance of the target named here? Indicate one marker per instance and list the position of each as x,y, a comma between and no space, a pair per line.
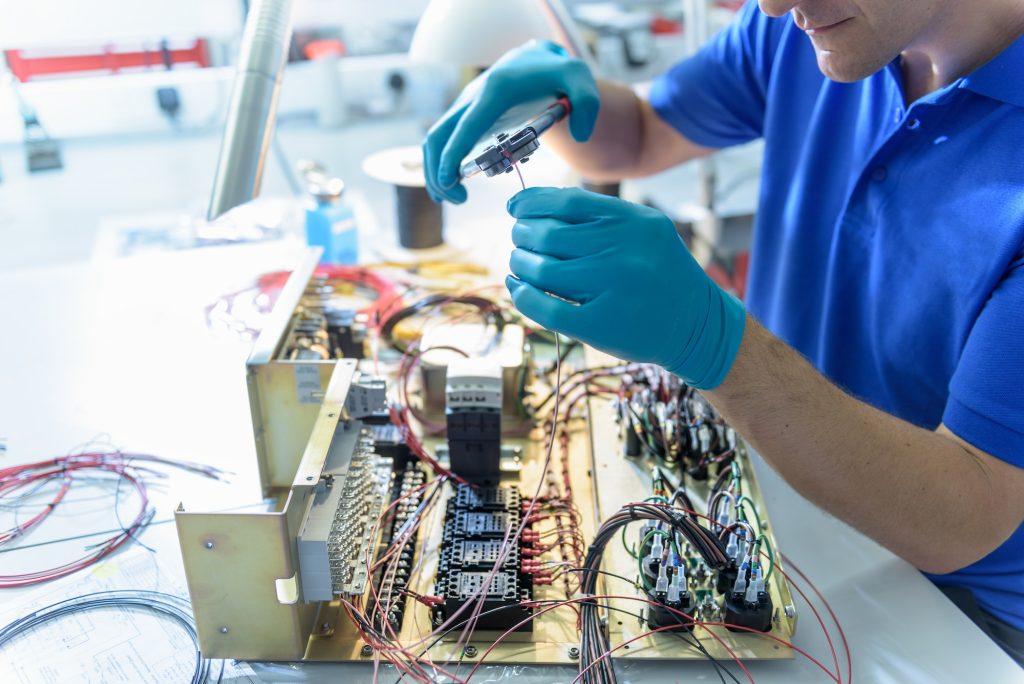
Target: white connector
751,595
657,548
661,586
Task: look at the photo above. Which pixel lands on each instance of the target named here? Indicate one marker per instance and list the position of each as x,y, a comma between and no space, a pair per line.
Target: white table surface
122,348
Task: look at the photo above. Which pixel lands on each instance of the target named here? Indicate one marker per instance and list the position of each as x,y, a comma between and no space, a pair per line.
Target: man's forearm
628,140
924,495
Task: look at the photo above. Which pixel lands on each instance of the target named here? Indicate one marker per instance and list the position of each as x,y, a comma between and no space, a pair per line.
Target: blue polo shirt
888,240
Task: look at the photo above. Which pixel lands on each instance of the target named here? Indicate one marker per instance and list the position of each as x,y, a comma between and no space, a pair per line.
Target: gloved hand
639,294
530,72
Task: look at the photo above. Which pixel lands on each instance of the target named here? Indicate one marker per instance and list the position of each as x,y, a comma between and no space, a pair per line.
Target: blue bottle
330,222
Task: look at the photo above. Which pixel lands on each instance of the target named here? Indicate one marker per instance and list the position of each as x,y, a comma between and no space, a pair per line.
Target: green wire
625,545
771,556
657,498
757,517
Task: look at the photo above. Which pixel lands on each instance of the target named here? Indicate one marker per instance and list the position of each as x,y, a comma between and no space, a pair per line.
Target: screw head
208,544
223,630
366,650
469,651
789,610
574,652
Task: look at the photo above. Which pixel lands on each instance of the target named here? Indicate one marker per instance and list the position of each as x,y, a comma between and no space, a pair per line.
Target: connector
704,434
677,585
739,587
751,594
661,586
657,548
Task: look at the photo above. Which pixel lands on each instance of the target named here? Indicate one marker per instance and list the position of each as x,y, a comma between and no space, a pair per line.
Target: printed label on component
307,384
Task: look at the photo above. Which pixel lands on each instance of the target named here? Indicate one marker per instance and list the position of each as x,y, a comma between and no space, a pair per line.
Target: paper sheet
105,645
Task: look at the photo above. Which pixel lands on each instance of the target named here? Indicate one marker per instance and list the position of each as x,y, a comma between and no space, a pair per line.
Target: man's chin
844,70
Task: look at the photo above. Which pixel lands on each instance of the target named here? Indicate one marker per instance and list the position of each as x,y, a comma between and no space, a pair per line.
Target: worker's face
855,38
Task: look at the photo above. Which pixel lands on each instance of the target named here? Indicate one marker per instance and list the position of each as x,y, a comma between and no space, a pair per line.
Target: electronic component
476,523
391,584
507,346
441,555
474,419
388,442
338,525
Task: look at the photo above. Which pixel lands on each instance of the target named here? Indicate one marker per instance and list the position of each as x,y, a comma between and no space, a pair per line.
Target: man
879,365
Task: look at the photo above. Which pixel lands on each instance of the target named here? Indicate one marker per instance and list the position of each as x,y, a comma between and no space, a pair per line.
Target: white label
307,384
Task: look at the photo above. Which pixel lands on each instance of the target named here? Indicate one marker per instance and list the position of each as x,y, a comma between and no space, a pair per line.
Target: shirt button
913,124
879,174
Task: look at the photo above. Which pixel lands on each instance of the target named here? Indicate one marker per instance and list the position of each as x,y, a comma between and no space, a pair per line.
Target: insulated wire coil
173,607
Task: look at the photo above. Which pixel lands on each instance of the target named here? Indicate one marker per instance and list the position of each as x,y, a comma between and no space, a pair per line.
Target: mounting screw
574,652
366,650
789,610
223,630
208,544
469,651
325,628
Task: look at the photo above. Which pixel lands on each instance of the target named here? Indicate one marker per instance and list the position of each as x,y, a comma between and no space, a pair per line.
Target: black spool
418,218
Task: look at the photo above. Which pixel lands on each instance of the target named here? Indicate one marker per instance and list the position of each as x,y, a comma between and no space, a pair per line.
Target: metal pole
250,121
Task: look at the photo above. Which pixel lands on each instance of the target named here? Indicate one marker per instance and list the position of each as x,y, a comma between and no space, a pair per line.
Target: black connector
727,578
757,616
660,615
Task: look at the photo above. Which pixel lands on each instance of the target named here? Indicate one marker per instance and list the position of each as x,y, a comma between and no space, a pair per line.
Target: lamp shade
478,32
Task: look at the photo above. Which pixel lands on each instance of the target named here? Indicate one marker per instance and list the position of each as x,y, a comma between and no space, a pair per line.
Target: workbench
121,347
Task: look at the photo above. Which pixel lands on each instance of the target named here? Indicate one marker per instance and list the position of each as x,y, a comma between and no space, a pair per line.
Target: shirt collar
1002,78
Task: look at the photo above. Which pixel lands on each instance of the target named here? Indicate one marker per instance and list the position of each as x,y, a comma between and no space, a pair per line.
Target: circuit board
603,480
369,548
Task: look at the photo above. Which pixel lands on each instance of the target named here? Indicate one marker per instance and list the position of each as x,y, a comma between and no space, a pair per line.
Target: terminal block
477,563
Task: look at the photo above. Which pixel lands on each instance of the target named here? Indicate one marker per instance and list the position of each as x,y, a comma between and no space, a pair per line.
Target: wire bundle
173,607
126,469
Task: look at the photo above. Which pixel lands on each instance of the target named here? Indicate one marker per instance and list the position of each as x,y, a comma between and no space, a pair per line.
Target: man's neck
959,40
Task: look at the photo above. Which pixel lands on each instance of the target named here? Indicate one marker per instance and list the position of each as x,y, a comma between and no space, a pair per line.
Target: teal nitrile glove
533,71
640,294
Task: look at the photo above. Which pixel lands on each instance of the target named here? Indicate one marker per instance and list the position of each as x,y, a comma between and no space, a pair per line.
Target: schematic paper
106,645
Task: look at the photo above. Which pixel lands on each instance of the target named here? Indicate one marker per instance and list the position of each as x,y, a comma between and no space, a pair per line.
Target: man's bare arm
929,497
629,141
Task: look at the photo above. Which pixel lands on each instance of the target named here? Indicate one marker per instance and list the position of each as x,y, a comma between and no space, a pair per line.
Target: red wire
124,465
387,291
842,633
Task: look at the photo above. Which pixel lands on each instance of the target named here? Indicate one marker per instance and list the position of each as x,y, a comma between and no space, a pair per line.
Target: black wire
595,369
486,307
154,601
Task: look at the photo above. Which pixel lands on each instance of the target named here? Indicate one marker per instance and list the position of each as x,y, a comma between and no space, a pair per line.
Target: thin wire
174,607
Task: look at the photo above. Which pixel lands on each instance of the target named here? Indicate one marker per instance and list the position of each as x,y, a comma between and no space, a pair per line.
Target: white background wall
104,105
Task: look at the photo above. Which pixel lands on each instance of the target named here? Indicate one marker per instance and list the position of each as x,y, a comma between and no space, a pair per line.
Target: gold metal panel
232,561
284,423
280,423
